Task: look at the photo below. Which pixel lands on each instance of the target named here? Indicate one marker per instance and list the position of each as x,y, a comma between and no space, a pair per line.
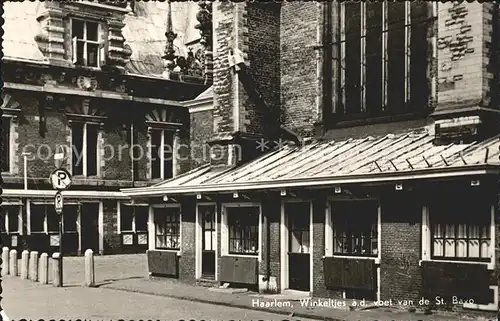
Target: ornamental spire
169,53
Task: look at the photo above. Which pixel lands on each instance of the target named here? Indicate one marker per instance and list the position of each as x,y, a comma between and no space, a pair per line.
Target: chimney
246,85
467,76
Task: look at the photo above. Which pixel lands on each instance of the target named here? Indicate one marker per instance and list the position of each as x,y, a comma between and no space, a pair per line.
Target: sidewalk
175,289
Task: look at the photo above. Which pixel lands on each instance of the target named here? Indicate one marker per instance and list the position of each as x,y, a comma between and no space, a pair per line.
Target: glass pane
449,250
438,248
419,84
141,218
126,218
450,231
396,66
70,217
353,58
13,212
155,153
52,219
295,242
77,28
396,13
208,240
54,240
485,249
473,248
92,136
461,248
77,148
92,31
92,50
13,241
305,242
160,241
168,148
142,239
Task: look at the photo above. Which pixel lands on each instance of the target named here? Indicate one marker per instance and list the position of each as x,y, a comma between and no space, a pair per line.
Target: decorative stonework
204,17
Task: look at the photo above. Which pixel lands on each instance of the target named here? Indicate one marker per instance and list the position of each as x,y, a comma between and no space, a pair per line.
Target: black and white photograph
250,160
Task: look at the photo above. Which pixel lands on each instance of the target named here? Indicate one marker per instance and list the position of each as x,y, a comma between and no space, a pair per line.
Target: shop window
87,48
84,137
355,228
243,230
167,228
162,142
134,221
11,218
37,218
460,231
52,219
70,218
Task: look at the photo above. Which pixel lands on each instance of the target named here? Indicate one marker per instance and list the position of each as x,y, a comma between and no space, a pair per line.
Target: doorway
207,223
89,227
298,245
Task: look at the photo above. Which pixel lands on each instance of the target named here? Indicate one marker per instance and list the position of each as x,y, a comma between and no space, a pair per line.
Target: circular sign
58,202
60,179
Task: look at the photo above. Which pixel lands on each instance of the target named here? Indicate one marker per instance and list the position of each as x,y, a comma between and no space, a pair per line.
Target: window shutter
74,53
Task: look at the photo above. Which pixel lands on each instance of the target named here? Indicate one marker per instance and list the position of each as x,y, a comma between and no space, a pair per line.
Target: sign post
60,179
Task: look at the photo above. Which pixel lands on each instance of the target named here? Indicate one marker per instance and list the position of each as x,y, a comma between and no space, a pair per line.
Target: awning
95,195
394,157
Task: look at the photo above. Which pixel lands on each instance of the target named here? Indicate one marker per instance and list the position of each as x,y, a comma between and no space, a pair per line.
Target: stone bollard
56,265
24,264
13,263
43,274
89,268
33,265
5,261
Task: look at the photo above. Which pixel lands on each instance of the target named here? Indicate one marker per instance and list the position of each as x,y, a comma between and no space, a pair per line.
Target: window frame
427,242
161,148
330,230
134,231
225,230
153,229
84,158
101,44
337,117
7,218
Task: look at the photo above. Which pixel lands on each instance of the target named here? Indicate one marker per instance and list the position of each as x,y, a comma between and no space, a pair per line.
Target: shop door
208,243
299,246
89,216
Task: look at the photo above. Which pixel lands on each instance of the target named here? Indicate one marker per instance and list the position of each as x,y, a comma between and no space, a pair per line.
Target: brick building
353,152
94,78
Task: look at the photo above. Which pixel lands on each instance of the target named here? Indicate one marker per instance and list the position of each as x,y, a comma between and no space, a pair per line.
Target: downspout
327,43
131,151
267,277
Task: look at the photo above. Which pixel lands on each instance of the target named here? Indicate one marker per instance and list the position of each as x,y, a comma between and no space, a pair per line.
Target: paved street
24,299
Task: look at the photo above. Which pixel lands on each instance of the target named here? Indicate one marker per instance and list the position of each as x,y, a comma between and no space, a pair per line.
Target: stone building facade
90,79
354,153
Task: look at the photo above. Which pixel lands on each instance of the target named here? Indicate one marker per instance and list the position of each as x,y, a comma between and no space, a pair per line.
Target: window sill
179,253
242,255
376,259
366,119
490,265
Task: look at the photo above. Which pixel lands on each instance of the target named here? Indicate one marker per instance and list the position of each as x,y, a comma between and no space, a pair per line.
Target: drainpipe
267,253
131,151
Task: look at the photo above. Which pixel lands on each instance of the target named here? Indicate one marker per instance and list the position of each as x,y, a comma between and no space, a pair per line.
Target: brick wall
112,241
187,262
201,129
401,248
464,43
117,160
263,40
299,23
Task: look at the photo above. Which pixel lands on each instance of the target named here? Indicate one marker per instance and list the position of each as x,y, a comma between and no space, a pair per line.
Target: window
134,221
88,49
460,231
6,122
162,142
298,215
11,218
70,218
243,228
209,235
167,227
43,218
84,139
381,51
355,228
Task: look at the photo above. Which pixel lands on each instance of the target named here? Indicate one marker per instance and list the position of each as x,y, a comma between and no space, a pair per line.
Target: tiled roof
372,158
144,32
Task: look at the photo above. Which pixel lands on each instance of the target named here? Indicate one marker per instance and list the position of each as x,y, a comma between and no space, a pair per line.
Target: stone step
209,283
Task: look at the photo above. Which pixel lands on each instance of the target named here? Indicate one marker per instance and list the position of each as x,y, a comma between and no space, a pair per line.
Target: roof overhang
19,193
429,173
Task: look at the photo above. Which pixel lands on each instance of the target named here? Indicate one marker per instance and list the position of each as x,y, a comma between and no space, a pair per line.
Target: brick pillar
269,268
245,101
318,250
187,262
466,67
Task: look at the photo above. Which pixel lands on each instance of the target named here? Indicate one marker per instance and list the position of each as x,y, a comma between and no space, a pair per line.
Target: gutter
69,193
470,170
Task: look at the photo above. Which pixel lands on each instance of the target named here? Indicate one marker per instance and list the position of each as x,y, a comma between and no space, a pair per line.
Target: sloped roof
209,93
400,156
144,31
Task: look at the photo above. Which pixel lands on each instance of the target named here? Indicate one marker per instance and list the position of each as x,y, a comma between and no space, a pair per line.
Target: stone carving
86,83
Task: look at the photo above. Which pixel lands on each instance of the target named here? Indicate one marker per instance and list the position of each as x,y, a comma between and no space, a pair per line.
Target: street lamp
25,156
